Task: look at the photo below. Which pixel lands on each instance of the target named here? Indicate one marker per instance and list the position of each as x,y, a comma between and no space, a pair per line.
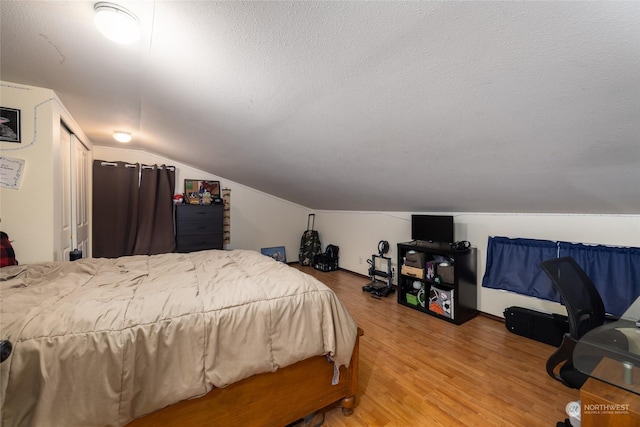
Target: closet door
79,205
65,222
72,219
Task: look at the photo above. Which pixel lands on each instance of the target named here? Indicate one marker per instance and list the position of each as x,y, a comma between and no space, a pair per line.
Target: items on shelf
441,301
438,279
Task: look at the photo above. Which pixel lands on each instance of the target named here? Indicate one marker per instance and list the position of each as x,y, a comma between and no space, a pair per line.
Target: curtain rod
172,168
127,165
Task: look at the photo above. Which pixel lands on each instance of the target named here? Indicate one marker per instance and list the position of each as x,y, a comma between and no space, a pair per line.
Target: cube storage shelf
448,292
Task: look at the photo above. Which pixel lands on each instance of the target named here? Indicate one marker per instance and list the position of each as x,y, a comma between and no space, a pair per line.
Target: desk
604,405
610,355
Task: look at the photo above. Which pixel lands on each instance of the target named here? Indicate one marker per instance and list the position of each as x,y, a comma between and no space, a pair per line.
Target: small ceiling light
116,23
121,136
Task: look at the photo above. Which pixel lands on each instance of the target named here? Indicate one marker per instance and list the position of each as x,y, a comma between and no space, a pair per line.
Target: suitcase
547,328
309,243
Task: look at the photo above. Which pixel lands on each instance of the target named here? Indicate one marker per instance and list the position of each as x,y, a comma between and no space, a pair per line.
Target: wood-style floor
417,370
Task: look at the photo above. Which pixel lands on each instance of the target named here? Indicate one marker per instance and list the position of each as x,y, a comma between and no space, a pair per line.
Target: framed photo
277,252
201,192
9,125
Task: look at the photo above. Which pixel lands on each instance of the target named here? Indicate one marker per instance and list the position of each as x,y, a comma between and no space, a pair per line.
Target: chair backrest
585,308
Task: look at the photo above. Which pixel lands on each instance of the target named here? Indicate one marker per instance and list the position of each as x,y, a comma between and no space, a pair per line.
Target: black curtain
115,208
155,214
132,209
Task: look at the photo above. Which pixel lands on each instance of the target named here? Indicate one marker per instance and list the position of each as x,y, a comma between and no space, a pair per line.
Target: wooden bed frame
270,399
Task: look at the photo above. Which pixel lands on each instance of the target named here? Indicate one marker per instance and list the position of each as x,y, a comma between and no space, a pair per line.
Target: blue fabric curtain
514,265
615,272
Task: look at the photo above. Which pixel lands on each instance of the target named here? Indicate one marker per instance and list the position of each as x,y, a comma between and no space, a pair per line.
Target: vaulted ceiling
386,106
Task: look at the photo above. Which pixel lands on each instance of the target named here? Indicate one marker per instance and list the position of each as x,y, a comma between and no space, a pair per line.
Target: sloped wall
258,220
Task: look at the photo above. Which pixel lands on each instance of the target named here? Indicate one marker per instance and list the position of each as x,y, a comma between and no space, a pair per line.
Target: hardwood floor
417,370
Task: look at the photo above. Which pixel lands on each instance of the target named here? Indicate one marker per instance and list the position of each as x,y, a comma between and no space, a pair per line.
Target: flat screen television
432,228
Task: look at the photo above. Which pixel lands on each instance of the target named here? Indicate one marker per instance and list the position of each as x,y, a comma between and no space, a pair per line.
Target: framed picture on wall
9,125
201,192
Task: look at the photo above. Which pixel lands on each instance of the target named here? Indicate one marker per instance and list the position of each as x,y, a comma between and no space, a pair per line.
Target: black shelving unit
455,282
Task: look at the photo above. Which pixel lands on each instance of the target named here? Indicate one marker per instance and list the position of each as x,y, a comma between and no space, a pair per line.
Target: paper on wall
11,171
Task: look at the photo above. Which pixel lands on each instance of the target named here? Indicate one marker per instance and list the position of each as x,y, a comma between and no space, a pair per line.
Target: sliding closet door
71,217
63,219
80,209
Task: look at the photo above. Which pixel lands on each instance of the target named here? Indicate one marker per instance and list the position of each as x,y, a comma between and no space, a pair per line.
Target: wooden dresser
198,227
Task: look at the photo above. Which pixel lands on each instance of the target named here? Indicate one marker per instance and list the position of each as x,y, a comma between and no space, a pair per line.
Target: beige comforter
102,341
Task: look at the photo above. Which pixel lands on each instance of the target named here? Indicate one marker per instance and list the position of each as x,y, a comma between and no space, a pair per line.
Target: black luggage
309,243
544,327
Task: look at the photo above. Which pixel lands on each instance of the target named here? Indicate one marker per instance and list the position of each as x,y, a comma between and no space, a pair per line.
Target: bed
216,337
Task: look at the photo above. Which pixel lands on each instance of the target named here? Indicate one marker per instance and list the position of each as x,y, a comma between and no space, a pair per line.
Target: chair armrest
561,355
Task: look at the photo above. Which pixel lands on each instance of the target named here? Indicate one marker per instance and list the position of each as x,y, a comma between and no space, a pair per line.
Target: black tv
432,228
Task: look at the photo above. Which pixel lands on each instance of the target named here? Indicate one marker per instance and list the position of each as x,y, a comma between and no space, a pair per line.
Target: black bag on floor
309,243
328,261
543,327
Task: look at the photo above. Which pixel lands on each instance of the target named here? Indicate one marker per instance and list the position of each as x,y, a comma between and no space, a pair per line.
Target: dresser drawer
198,213
199,242
188,228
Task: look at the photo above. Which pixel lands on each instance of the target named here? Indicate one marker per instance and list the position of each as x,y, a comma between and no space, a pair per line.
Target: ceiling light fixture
121,136
116,23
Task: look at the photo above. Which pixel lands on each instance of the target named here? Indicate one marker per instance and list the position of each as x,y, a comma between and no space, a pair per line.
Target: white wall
258,220
29,214
358,233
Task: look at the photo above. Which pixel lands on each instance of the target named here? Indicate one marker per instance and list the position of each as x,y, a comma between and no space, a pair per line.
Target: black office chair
585,311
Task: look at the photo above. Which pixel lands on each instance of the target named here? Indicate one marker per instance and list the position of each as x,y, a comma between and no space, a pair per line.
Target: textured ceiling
387,106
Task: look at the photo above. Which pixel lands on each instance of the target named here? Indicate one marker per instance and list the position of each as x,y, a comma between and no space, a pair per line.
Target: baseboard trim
491,316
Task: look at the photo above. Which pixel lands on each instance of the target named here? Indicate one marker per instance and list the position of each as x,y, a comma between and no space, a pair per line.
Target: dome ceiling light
121,136
116,23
